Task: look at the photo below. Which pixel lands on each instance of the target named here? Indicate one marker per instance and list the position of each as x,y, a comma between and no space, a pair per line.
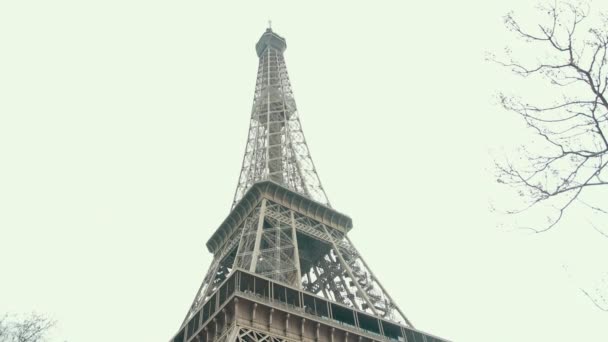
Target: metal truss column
294,238
350,273
258,238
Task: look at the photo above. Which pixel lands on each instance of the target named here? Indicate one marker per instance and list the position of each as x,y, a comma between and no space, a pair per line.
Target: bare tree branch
594,301
32,328
573,128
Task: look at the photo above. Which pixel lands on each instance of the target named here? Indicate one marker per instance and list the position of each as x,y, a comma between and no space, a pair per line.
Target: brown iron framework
247,307
282,258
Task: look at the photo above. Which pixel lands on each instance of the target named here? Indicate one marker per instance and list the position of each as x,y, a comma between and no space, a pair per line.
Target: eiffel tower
283,266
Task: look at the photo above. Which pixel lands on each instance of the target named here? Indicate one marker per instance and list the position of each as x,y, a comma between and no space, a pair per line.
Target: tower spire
276,149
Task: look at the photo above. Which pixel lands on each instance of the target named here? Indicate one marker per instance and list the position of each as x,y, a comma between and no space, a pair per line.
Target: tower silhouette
283,266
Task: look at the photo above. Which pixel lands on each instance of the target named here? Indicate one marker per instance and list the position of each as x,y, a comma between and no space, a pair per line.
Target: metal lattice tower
283,266
276,149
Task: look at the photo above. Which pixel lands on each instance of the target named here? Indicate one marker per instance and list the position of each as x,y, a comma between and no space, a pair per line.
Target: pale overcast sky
122,128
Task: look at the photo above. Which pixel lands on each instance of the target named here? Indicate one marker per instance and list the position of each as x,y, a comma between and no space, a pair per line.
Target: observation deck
250,301
284,196
270,39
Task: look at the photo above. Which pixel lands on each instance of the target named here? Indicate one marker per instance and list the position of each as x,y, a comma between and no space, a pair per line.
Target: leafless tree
571,156
567,112
31,328
4,328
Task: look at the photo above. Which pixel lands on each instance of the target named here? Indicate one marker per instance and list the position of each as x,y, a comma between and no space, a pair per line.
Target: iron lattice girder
281,195
281,235
276,148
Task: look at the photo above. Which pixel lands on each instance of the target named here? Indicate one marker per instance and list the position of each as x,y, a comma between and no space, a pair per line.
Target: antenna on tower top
270,24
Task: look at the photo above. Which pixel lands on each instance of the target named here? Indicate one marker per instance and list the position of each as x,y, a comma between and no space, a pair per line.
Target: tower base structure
248,307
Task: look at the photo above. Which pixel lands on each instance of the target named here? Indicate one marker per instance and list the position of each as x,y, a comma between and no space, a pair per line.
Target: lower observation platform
251,308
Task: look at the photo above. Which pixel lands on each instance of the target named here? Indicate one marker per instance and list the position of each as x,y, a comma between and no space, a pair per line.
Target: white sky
122,128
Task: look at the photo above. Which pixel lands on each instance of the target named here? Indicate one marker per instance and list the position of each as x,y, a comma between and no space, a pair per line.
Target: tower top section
276,149
272,40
